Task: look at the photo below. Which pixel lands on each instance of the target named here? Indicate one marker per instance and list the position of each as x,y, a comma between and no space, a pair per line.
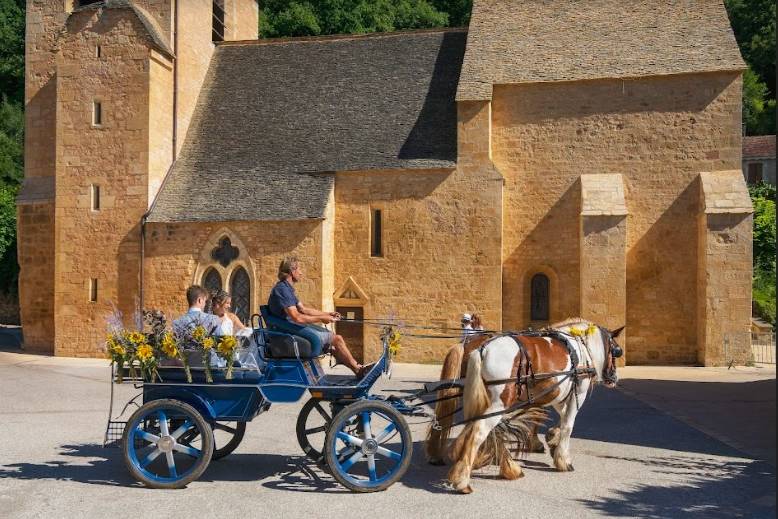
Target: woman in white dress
221,304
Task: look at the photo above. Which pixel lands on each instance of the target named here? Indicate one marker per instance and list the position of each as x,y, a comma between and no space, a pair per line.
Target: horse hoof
467,490
436,462
570,468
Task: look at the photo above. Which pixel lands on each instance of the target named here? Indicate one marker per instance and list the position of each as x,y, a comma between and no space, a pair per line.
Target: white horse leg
567,415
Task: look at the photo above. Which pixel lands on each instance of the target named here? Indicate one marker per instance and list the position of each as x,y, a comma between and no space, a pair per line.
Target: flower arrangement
394,339
226,350
127,347
203,343
151,341
580,332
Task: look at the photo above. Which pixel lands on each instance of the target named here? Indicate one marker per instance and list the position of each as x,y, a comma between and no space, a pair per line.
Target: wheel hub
166,443
369,446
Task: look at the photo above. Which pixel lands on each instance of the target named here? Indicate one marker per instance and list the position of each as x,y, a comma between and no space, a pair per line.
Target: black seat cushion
282,347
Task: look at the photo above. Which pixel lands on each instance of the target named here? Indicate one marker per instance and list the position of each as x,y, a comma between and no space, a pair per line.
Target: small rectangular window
97,113
93,290
754,172
98,51
376,234
95,197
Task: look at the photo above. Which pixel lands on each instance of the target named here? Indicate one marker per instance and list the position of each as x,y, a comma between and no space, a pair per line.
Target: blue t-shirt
281,297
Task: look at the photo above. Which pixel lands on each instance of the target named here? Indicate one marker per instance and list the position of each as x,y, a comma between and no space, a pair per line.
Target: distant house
759,159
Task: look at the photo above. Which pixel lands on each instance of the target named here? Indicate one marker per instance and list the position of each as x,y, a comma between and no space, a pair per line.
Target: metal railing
763,347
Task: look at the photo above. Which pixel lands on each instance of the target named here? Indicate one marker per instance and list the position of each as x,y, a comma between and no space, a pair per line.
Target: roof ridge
340,37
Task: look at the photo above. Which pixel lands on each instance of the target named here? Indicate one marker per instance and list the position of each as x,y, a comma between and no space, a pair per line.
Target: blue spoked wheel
167,444
368,446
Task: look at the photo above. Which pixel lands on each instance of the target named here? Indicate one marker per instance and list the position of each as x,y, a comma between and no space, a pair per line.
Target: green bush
763,198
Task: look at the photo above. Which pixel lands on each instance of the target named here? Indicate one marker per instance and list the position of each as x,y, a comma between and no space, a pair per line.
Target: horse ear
615,333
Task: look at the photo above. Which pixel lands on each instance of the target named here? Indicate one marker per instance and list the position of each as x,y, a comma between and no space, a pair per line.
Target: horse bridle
612,352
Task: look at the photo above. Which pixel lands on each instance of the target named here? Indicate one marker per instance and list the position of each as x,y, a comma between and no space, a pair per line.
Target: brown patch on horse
544,358
472,344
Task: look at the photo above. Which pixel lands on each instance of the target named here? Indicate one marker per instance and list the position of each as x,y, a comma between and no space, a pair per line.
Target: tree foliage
763,198
281,18
753,22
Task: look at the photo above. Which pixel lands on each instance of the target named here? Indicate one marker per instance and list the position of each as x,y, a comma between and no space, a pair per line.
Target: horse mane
569,321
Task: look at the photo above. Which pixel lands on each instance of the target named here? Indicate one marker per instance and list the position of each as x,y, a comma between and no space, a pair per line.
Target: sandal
364,370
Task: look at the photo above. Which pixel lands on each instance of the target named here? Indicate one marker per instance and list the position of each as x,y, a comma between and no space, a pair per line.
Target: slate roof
276,118
759,147
521,41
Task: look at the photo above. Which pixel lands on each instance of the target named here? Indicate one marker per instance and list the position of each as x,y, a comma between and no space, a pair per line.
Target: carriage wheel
368,446
231,437
152,450
312,424
223,434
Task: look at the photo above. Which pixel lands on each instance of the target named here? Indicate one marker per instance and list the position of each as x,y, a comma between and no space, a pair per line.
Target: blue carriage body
250,392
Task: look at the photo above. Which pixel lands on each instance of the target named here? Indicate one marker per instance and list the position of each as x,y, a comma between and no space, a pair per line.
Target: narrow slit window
93,290
95,197
98,51
97,113
539,298
376,234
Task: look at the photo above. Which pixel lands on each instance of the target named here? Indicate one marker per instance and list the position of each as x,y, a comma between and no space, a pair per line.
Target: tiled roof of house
759,147
275,117
521,41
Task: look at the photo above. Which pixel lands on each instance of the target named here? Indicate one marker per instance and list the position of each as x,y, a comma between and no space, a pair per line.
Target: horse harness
526,378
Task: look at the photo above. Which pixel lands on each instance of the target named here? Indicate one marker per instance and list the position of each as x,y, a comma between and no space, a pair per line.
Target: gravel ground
631,459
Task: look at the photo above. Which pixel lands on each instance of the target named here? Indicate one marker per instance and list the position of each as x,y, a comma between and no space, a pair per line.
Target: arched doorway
240,289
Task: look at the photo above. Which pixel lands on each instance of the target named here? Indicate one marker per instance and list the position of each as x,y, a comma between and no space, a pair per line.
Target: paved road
631,460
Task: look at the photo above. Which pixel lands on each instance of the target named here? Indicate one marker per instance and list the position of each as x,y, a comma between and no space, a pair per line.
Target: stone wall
603,246
242,19
101,244
160,114
724,269
35,250
658,133
441,234
193,56
177,255
35,219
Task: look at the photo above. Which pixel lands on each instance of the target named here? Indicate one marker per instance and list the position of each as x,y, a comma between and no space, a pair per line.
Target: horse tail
437,438
476,402
476,398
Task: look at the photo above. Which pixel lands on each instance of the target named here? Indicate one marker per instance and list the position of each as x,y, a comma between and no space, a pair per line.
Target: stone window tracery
225,253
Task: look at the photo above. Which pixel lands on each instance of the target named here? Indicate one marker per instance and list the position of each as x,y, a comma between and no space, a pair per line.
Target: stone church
556,158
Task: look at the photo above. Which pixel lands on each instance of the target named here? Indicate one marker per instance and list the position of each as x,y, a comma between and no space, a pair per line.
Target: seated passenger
221,306
283,303
197,298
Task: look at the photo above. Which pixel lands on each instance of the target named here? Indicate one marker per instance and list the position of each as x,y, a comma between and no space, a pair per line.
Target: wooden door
352,333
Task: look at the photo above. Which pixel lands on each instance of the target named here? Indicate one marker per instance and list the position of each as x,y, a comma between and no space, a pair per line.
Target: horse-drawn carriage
180,427
362,438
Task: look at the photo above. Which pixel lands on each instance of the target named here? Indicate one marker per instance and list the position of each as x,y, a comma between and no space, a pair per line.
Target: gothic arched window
539,298
212,281
240,290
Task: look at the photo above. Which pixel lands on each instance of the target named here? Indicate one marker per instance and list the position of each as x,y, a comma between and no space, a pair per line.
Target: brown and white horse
497,362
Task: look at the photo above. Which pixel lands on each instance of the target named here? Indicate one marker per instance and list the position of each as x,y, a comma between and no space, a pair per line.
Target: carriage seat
282,346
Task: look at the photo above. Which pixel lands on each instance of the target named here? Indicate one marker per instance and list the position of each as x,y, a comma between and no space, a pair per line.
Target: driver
283,303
